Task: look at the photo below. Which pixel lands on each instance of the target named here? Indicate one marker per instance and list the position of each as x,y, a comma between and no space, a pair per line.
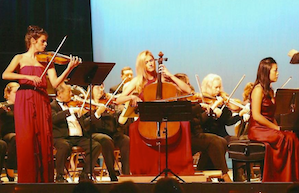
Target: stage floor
204,187
193,184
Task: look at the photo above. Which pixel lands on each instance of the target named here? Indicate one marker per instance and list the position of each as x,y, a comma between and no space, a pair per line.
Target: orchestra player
69,130
33,123
7,127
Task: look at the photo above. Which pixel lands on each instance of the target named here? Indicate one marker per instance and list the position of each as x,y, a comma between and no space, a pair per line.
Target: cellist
143,158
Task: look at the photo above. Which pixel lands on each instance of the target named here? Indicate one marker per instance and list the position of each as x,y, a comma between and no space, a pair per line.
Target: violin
106,98
195,98
78,102
45,57
232,104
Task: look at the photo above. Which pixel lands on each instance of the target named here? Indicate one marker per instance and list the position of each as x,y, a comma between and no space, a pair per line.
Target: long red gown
146,160
33,124
281,162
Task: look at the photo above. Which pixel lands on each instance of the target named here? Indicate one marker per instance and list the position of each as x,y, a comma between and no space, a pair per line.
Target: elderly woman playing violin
32,108
214,95
211,146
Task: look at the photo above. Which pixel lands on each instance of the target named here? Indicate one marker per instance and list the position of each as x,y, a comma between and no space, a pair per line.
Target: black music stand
87,74
165,112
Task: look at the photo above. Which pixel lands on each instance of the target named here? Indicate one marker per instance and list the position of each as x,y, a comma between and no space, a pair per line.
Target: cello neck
159,78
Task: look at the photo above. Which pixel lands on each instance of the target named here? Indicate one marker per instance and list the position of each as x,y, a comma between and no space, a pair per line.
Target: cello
152,132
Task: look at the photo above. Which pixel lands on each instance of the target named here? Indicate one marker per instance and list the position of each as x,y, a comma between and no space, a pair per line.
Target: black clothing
211,146
64,143
107,124
3,148
7,121
217,125
7,127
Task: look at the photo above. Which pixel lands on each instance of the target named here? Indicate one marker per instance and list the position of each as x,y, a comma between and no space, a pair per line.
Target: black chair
246,151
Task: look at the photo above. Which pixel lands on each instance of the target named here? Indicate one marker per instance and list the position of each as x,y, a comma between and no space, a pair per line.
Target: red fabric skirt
146,160
281,162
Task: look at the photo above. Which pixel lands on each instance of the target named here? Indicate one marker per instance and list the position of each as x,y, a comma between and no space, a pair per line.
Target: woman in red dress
33,121
281,162
144,158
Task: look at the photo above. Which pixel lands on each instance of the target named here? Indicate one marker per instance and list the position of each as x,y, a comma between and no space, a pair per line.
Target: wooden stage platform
203,187
198,183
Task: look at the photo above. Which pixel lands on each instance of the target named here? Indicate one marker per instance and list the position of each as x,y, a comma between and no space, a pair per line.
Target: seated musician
281,162
7,127
144,157
214,95
211,146
108,133
68,131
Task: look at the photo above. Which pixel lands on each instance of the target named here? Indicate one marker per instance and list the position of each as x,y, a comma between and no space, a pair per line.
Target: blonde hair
141,73
207,82
247,90
9,88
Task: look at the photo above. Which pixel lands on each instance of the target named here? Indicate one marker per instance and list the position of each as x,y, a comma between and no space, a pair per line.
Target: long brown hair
263,75
34,32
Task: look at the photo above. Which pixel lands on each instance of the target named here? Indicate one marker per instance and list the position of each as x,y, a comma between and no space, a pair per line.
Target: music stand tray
158,111
164,112
90,73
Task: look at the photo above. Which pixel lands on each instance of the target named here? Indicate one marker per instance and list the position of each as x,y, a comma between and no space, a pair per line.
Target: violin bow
48,65
172,98
122,82
84,101
286,82
231,94
199,87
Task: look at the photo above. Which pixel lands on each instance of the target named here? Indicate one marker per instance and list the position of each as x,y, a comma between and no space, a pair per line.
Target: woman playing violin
211,146
100,96
144,159
32,108
212,88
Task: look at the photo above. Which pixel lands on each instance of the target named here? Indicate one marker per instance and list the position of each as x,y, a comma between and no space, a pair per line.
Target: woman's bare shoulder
257,90
18,57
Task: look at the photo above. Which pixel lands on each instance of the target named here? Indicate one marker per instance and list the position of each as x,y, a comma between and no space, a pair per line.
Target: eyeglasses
151,60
